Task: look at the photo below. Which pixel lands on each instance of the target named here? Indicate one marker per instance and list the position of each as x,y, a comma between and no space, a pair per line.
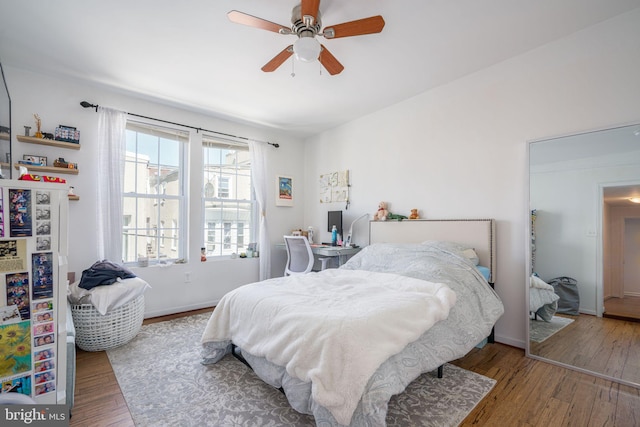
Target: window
228,202
154,200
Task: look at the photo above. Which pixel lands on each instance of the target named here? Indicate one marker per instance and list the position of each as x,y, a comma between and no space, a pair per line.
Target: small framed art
284,190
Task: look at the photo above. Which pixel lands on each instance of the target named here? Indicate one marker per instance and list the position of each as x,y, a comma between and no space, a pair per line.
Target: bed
543,300
412,300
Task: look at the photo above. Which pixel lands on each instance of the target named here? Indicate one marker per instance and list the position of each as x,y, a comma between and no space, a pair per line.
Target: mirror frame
599,254
5,89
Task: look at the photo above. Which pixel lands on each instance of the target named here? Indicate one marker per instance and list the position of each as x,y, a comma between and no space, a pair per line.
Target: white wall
459,151
57,101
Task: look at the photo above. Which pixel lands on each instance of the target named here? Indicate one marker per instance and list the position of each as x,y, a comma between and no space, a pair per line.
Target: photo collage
27,305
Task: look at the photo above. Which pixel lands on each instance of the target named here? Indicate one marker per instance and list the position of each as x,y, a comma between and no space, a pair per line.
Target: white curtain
111,148
258,155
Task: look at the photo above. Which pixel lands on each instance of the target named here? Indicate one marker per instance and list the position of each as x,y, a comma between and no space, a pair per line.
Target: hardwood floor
622,308
608,346
528,392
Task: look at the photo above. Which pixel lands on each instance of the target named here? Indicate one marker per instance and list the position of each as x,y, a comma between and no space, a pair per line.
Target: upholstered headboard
479,234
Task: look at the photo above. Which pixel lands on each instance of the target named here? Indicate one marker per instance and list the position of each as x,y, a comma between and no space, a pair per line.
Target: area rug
539,330
164,384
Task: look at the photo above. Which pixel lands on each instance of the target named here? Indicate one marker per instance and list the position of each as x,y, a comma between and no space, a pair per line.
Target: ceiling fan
306,23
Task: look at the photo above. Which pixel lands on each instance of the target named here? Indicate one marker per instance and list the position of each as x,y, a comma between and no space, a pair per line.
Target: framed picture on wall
284,190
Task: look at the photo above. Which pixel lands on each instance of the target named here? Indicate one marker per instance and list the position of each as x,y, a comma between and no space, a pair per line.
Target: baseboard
180,309
510,341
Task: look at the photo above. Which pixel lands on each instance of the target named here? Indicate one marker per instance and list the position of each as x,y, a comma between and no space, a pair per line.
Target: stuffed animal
382,212
396,216
414,214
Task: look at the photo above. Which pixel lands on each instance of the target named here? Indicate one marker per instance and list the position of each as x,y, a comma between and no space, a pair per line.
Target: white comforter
299,322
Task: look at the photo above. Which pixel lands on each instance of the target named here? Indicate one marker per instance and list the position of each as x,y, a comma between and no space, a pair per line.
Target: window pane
165,181
228,203
154,196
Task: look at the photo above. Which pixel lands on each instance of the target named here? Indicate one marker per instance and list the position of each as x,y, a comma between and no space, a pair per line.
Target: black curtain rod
86,104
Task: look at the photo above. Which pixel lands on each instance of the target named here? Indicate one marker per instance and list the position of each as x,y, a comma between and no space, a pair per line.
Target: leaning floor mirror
583,293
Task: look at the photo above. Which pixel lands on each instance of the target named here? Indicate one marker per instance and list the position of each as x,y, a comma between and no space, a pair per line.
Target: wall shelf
73,197
4,135
50,169
51,142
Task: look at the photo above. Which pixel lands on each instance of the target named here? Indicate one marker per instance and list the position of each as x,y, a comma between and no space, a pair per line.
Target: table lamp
349,241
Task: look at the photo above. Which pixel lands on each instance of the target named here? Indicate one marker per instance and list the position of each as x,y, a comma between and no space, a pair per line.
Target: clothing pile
107,286
103,273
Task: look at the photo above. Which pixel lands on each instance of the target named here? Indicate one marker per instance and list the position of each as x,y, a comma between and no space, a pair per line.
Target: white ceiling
188,54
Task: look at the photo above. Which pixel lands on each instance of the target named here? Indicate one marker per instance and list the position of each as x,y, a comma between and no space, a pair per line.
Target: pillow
472,255
108,298
485,272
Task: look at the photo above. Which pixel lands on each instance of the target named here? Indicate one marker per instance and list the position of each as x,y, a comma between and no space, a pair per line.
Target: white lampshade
307,49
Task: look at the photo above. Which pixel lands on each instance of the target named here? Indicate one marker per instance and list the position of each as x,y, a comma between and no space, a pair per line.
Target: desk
338,252
334,251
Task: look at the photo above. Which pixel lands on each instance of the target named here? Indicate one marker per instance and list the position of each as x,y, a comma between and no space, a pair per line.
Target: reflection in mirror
5,127
584,287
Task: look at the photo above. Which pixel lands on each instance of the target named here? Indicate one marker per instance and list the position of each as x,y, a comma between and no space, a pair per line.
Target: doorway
624,302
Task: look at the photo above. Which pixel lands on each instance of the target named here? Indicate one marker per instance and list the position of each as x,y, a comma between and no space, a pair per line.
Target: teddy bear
414,214
382,212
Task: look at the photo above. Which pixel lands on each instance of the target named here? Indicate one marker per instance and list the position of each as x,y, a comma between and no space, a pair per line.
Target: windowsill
228,258
135,265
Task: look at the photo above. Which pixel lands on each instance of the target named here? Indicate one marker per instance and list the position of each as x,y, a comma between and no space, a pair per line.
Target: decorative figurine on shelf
414,214
203,254
27,130
38,125
60,162
382,212
71,192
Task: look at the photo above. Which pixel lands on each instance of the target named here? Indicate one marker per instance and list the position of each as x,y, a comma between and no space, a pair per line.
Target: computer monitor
334,218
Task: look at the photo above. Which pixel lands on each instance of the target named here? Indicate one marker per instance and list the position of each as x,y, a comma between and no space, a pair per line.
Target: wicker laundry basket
97,332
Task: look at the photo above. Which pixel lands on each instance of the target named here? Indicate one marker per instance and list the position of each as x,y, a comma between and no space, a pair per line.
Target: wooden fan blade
328,61
278,60
252,21
371,25
310,8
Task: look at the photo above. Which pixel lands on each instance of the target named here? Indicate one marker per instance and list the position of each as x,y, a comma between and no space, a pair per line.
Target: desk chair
300,256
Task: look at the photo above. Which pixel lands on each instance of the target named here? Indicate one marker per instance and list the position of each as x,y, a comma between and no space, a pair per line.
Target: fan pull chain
293,67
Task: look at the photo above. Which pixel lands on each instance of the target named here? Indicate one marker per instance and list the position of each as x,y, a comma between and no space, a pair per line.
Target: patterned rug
539,330
165,384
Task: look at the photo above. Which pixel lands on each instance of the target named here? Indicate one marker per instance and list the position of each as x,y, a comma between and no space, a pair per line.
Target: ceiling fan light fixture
306,49
634,199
